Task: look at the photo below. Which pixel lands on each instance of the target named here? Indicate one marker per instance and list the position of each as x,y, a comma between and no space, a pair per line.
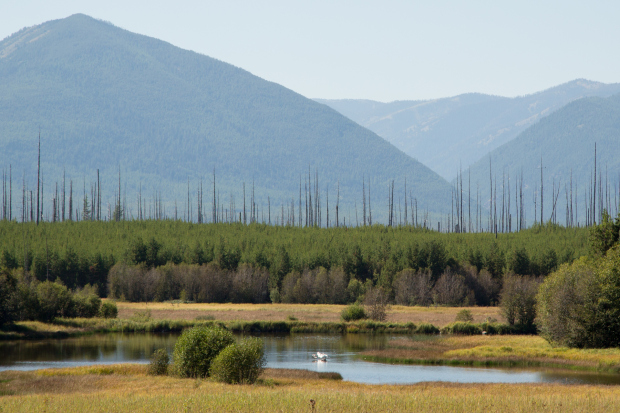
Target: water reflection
105,348
282,351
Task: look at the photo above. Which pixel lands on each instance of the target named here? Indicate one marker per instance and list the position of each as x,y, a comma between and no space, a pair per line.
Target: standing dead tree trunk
38,175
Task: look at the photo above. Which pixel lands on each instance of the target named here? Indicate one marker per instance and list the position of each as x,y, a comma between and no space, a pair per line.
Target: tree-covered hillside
565,143
104,98
446,133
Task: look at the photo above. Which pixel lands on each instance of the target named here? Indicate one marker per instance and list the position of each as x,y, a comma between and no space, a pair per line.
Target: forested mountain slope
564,141
104,98
446,133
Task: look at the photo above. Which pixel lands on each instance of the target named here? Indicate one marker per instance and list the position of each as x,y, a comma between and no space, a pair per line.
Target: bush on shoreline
158,365
240,363
353,312
197,347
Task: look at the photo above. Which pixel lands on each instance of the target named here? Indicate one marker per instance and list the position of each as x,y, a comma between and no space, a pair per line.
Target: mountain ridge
447,132
109,99
564,142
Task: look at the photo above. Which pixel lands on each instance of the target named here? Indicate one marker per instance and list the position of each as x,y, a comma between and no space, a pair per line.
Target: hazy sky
381,50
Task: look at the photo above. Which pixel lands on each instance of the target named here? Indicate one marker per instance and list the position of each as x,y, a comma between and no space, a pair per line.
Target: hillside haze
446,133
105,98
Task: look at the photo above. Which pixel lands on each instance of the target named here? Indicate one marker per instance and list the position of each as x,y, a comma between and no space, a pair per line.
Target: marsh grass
499,350
206,317
99,325
284,391
145,323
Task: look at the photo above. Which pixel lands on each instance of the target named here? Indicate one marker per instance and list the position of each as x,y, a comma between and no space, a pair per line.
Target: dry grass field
438,316
124,388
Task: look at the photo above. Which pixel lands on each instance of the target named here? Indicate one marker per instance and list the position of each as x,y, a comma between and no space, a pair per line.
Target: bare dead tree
327,205
71,200
38,175
369,208
337,204
364,200
594,197
10,193
542,217
469,201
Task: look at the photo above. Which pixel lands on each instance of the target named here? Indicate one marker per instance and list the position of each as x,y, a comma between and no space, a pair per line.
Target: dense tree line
79,254
247,284
23,298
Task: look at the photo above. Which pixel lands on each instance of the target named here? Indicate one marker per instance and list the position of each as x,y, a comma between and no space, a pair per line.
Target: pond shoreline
73,327
440,350
399,358
514,363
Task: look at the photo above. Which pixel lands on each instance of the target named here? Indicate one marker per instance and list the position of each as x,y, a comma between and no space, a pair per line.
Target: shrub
86,302
465,316
427,328
240,363
197,347
353,312
579,305
461,328
108,309
159,363
54,300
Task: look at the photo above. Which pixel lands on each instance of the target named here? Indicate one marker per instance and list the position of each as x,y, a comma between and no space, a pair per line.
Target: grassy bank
127,388
509,351
265,318
63,328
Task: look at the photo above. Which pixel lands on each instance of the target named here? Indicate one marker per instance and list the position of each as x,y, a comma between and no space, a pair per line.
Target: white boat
320,356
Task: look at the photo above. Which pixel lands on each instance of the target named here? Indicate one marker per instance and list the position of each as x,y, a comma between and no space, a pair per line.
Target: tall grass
137,392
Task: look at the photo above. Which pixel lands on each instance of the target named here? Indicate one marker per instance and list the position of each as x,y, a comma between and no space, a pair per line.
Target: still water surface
282,351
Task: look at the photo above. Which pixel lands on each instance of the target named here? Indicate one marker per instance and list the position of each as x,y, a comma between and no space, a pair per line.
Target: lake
282,351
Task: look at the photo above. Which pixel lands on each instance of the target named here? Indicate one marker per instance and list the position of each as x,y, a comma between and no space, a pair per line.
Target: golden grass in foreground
439,316
516,349
127,388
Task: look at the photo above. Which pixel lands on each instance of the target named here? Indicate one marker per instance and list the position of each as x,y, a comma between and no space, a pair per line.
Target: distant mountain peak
105,97
462,129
